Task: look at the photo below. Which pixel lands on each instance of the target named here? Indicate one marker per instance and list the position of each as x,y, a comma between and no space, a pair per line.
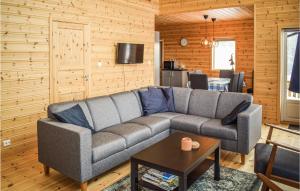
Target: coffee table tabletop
167,156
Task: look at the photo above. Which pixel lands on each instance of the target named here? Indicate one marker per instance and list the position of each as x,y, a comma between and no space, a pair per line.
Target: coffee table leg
217,163
182,183
134,175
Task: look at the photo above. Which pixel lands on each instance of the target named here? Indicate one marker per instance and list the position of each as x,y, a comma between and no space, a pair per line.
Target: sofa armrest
66,148
249,128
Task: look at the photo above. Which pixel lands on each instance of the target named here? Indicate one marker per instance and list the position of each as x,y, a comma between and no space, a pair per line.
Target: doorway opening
290,101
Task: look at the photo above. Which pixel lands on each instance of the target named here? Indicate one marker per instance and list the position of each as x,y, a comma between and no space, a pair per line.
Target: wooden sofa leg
46,170
243,159
83,186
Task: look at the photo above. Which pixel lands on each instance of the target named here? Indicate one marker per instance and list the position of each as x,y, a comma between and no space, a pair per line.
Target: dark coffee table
167,156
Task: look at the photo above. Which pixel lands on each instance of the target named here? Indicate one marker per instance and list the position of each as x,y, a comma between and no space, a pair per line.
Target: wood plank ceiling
224,14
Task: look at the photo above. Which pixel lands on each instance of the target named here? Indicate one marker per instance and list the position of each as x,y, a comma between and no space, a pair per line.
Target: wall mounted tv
130,53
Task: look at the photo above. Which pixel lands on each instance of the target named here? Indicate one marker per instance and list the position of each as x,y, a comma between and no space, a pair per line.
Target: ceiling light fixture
214,42
205,42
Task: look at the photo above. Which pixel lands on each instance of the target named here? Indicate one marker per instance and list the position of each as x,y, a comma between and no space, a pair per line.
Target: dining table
218,84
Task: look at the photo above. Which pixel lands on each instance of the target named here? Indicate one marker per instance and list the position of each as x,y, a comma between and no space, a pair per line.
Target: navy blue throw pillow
168,93
153,101
232,117
73,115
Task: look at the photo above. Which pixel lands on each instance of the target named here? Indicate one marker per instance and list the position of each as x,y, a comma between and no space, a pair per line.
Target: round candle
186,144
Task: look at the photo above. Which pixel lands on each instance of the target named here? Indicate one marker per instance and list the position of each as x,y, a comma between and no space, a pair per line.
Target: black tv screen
130,53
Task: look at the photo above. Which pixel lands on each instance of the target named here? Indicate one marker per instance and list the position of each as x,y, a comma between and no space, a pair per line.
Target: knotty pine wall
25,55
196,57
269,17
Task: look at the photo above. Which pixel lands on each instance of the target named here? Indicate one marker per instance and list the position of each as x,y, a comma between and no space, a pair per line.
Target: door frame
87,42
281,69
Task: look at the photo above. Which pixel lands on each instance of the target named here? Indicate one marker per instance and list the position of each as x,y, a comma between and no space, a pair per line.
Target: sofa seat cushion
214,128
156,124
168,115
188,123
286,162
133,133
105,144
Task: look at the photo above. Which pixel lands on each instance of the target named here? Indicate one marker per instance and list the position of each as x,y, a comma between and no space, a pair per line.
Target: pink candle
186,144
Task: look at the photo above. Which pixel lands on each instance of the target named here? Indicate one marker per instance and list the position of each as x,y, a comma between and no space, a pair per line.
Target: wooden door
69,68
290,101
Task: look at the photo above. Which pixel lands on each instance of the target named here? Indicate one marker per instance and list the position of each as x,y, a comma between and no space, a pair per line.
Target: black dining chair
240,82
234,83
188,76
250,89
198,81
226,74
193,72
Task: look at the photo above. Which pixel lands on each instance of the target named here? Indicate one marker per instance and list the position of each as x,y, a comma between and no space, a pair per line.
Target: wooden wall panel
269,15
195,57
25,55
25,51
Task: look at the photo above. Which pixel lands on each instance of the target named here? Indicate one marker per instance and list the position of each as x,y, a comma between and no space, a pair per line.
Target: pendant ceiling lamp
205,42
214,42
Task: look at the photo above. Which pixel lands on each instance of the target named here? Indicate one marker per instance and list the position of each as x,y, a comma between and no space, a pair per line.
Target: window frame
213,55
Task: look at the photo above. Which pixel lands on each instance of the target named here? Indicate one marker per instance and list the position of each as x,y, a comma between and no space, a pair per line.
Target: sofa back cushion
203,103
103,111
136,93
127,105
59,107
228,101
169,95
181,99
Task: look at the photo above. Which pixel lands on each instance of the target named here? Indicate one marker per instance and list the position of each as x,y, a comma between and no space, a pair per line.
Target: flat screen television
130,53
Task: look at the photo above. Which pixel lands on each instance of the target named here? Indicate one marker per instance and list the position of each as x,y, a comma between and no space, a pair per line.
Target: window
222,54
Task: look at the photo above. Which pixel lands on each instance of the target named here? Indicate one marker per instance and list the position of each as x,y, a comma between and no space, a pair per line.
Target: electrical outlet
6,143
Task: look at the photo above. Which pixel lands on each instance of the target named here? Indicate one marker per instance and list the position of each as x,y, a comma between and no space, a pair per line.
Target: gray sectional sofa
121,130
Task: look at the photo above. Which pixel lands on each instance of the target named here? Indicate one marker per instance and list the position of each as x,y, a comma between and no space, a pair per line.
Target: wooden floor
24,172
